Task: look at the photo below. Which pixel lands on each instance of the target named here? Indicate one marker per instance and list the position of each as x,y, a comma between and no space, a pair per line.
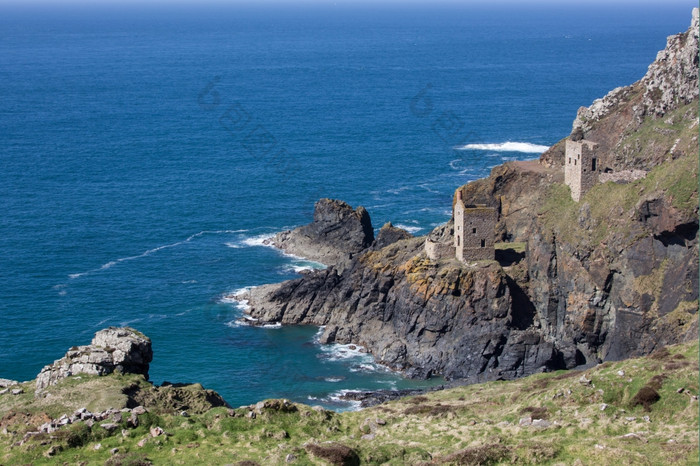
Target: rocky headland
337,233
573,284
582,285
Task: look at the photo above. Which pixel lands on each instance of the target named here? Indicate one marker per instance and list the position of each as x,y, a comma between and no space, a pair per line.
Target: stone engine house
474,231
581,167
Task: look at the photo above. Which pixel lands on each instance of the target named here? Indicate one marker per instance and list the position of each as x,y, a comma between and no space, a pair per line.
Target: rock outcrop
667,93
4,383
336,234
113,349
415,315
612,276
671,80
389,234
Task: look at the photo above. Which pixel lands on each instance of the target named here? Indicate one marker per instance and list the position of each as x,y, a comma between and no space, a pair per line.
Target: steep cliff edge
612,276
667,95
413,314
615,275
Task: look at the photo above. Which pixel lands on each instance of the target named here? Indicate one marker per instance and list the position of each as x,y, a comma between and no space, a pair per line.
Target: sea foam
148,252
259,240
242,305
408,228
507,147
338,397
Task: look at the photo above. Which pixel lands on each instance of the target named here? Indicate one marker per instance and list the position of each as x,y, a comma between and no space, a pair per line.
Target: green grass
519,246
477,423
609,208
664,132
678,178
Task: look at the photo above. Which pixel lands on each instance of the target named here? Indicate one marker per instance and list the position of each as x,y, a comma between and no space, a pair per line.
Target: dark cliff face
414,315
634,290
612,276
615,275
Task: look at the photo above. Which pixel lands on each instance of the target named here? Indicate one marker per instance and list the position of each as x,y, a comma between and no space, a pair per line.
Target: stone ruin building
474,225
473,236
581,167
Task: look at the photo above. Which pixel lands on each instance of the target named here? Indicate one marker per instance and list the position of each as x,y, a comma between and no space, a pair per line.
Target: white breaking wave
301,268
364,368
232,298
338,352
259,240
247,321
319,334
408,228
361,360
302,262
237,292
262,240
338,398
244,321
507,147
296,268
151,251
237,323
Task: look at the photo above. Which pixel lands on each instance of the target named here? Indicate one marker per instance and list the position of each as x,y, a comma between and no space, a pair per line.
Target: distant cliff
612,276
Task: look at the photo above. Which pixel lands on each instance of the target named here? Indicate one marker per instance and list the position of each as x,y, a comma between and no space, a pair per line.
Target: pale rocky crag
664,93
4,383
668,83
113,349
612,276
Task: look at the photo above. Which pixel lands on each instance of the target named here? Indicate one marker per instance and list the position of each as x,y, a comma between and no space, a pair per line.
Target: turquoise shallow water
147,151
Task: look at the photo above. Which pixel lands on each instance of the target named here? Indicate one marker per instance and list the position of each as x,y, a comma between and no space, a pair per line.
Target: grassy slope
477,424
612,205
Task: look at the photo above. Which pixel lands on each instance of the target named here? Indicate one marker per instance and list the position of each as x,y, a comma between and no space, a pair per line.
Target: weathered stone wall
438,251
458,214
589,166
474,232
580,167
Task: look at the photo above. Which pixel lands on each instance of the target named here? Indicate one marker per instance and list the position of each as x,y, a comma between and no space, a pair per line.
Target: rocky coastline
573,284
607,286
99,412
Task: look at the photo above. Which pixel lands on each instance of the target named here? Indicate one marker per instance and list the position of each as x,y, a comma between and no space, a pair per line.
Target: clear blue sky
690,3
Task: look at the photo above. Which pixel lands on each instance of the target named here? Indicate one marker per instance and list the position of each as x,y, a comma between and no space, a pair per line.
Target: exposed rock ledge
415,315
336,234
112,350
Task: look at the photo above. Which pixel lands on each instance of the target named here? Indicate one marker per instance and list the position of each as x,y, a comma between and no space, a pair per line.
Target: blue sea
147,151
